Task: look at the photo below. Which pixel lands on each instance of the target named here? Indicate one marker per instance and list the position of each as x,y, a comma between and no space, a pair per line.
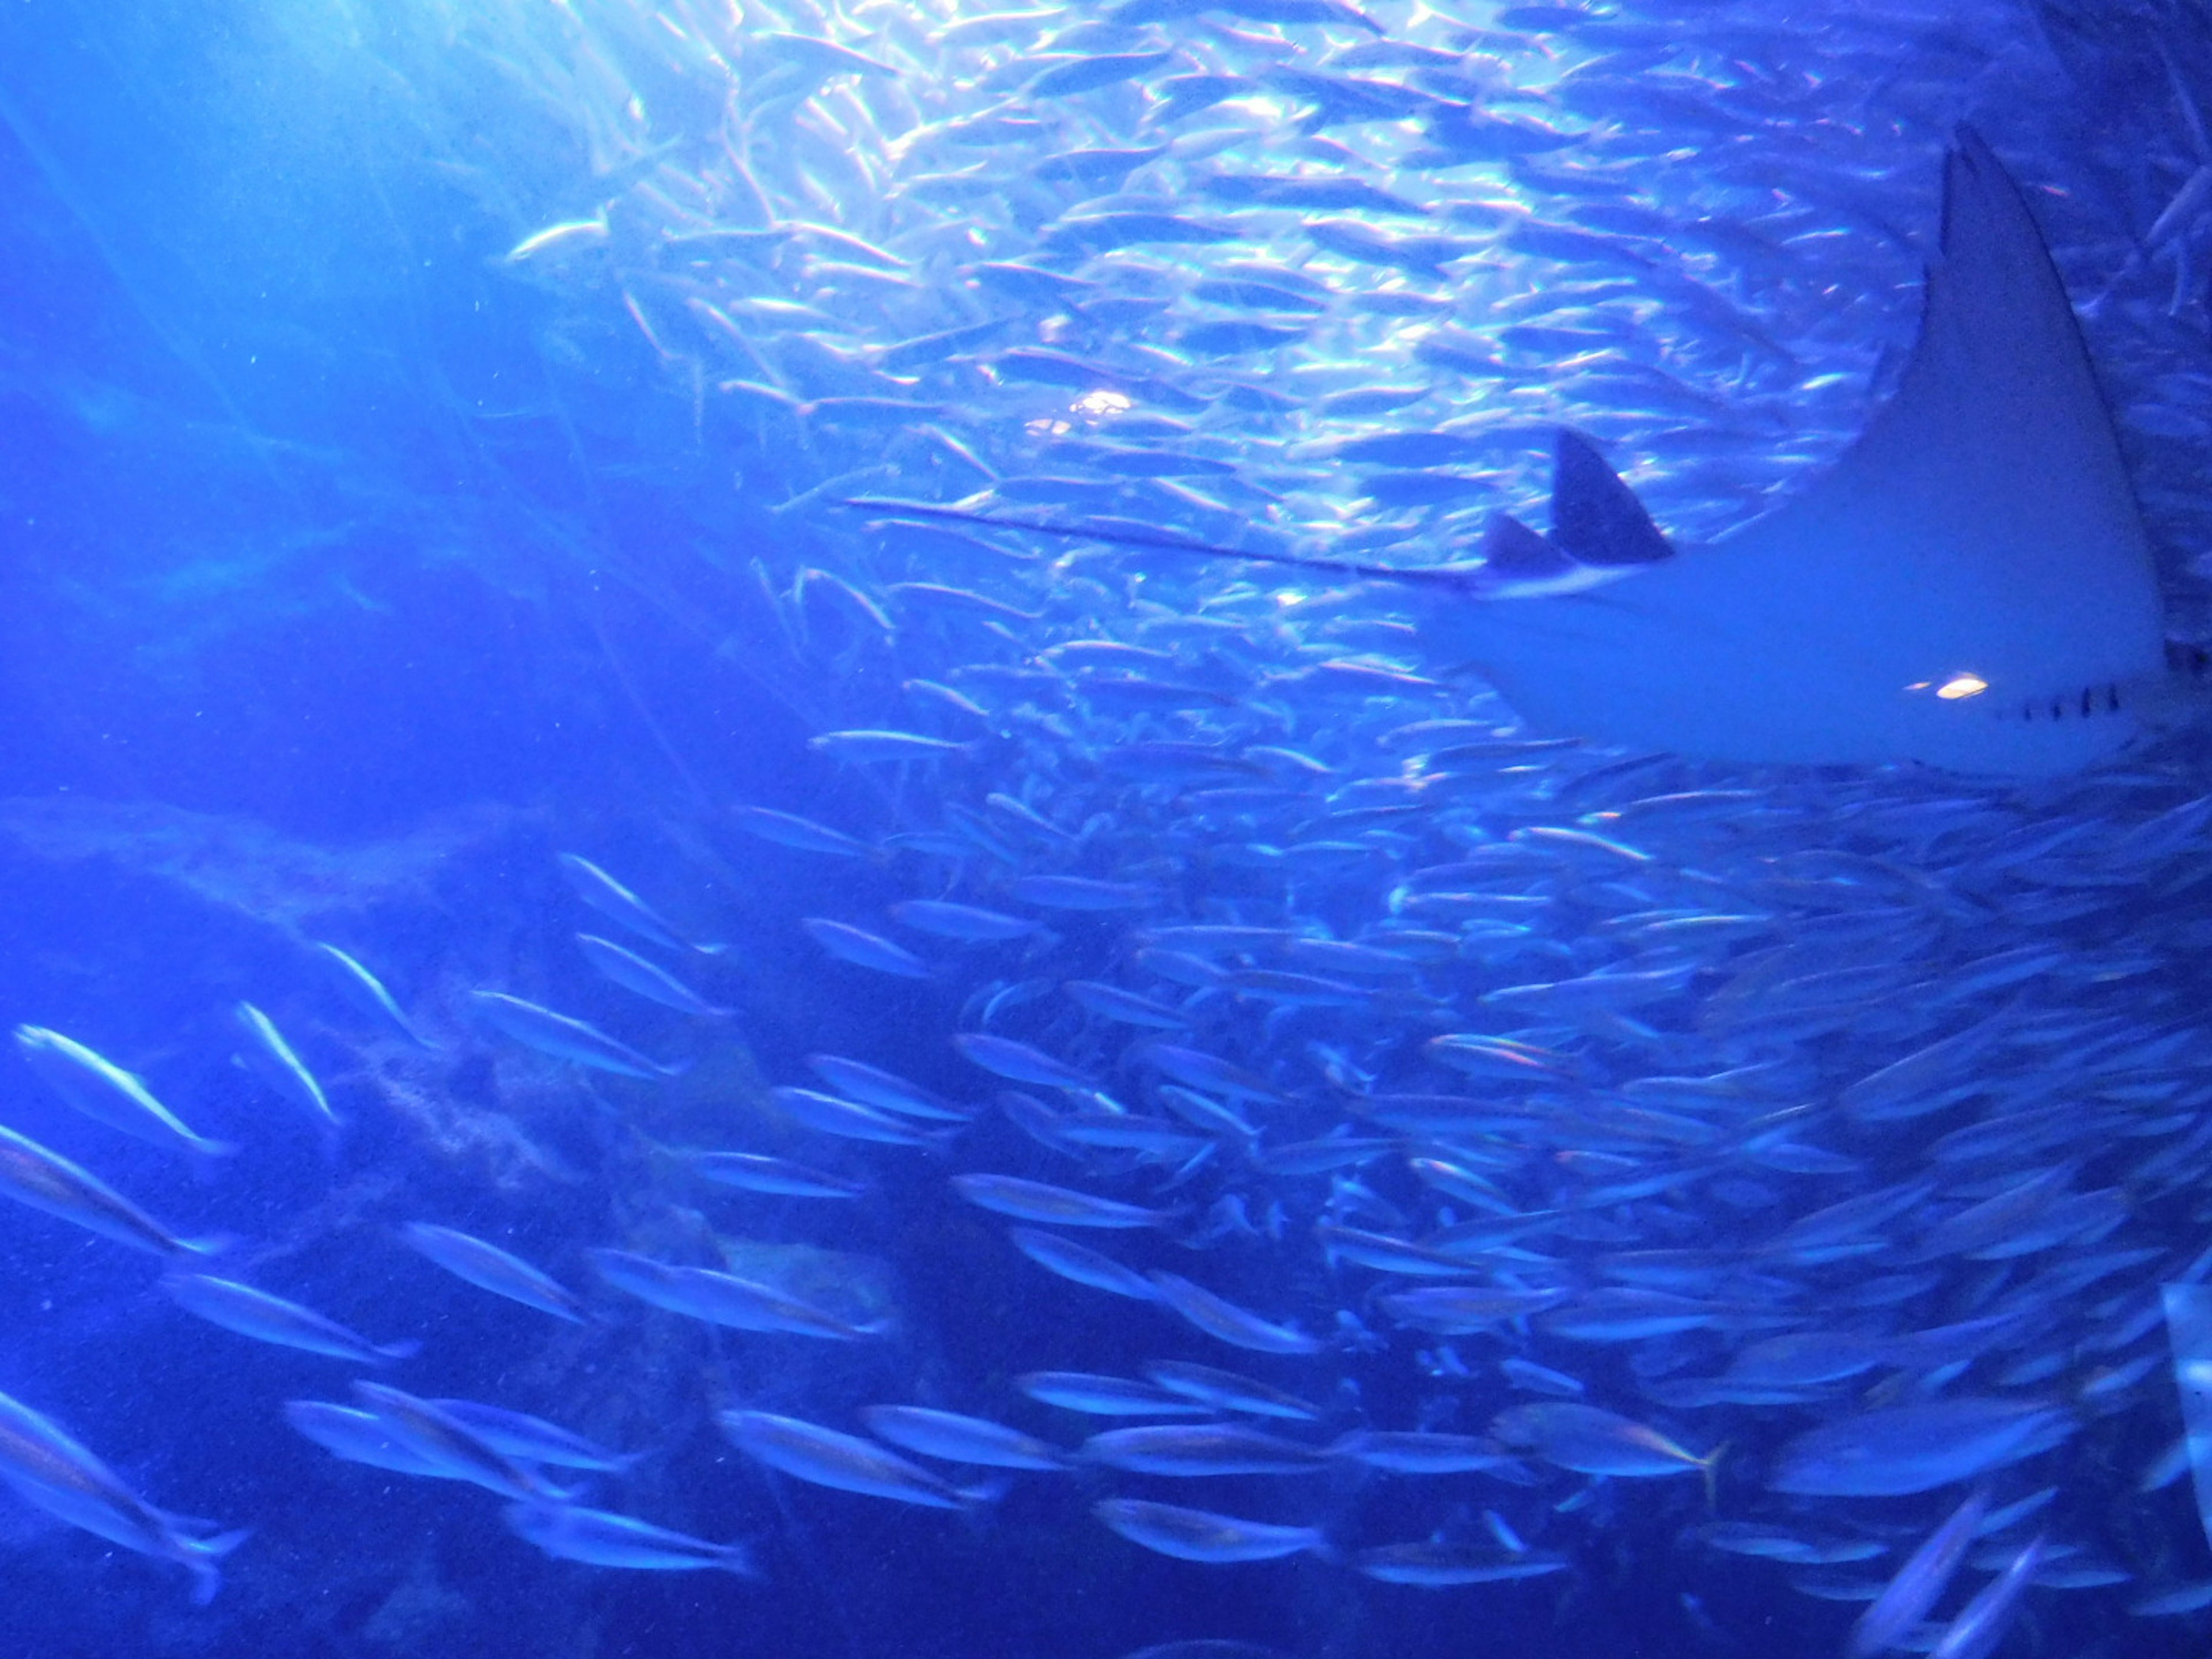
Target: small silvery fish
271,1319
359,1437
1200,1448
1896,1451
366,992
825,1457
46,1181
755,1172
1439,1566
532,1439
1421,1451
1920,1583
1038,1200
599,1537
864,950
1126,1007
1202,1536
862,748
280,1065
600,891
1223,1319
1018,1062
1081,1264
1982,1623
434,1438
48,1468
804,835
831,1115
719,1299
649,980
563,1038
1107,1396
1208,1074
102,1090
884,1090
1591,1440
958,1439
489,1267
1229,1392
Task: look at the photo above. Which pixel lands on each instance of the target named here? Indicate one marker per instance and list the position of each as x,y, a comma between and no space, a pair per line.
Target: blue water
358,563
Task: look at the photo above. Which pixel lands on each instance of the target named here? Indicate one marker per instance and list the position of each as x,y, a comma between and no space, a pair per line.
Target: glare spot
1047,427
1962,685
1103,403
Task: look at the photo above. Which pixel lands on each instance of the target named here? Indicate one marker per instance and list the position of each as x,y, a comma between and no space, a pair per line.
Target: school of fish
1798,1160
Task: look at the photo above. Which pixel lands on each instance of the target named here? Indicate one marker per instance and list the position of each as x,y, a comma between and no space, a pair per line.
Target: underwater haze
815,847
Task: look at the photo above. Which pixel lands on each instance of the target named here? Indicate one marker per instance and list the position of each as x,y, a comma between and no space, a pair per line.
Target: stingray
1969,586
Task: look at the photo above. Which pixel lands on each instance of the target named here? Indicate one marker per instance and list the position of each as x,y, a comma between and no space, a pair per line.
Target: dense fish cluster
1292,1115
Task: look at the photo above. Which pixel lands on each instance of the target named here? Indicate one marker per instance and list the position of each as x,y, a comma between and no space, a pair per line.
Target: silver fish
1038,1200
360,1436
281,1066
532,1439
271,1319
1200,1448
432,1436
720,1299
102,1090
600,891
48,1467
46,1181
959,1439
1202,1536
366,992
600,1538
649,980
825,1457
1919,1584
489,1267
563,1038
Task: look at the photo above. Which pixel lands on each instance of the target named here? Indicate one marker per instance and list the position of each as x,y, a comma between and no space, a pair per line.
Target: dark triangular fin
1513,552
1594,516
1122,533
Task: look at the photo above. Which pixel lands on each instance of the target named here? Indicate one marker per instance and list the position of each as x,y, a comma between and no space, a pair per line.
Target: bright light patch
1103,403
1962,685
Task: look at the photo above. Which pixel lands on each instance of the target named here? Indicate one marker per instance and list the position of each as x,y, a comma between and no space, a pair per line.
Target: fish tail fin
737,1557
985,1493
393,1352
709,948
675,1068
201,1556
213,1244
1709,1467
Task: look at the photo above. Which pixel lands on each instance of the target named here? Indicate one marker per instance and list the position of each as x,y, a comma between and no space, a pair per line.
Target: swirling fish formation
1555,1137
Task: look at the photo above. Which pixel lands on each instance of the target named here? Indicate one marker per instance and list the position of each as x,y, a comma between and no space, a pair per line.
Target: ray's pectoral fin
1981,534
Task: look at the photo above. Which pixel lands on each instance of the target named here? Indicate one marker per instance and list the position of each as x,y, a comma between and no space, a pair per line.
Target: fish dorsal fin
1594,516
